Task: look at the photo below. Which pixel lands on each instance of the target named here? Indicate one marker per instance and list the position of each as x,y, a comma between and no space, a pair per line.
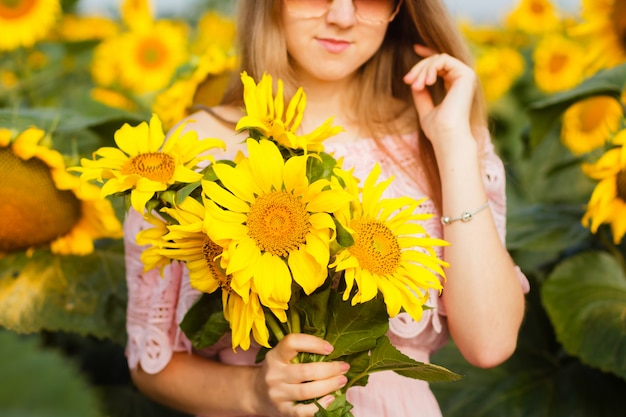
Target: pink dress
157,305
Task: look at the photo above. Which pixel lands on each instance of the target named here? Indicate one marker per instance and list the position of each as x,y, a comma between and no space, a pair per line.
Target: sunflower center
156,166
375,246
618,20
14,9
537,8
557,63
593,114
210,251
32,211
151,53
278,222
620,182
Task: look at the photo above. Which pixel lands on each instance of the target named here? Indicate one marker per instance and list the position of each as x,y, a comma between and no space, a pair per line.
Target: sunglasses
367,11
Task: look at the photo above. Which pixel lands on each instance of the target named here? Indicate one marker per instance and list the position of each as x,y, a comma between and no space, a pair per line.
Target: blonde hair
262,48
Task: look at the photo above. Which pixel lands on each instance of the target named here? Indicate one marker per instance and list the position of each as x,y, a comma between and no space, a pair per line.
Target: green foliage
40,383
82,294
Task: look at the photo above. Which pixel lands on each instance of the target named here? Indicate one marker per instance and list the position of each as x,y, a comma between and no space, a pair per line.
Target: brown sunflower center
557,63
210,251
15,9
537,8
155,166
278,222
620,182
593,114
375,246
32,211
618,20
151,53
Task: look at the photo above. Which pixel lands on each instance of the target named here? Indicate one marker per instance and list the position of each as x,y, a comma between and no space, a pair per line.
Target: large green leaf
585,297
82,294
40,383
546,113
204,324
538,380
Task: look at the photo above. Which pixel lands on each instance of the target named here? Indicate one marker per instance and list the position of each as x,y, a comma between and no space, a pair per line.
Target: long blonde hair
262,48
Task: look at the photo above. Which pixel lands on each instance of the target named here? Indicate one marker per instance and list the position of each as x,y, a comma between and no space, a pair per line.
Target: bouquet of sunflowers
280,240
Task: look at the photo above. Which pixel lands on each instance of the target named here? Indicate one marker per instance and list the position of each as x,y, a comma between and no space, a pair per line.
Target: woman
395,76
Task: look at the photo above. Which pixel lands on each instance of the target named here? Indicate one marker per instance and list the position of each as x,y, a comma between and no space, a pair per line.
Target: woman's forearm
199,386
483,296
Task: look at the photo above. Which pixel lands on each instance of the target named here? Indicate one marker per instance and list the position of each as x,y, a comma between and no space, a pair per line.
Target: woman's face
330,42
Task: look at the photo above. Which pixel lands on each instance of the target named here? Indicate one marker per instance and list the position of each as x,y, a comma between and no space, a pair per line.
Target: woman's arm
483,296
204,387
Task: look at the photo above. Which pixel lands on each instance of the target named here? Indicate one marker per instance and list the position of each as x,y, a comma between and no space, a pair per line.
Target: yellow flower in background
498,69
136,14
25,22
141,61
207,262
383,257
267,114
589,123
534,17
145,163
75,28
604,27
607,204
558,63
113,99
214,30
492,36
275,226
43,205
212,68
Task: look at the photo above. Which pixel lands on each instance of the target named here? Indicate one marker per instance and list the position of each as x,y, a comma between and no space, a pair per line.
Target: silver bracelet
466,216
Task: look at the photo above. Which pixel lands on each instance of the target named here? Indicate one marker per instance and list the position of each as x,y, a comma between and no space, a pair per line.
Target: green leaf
386,357
322,167
352,329
186,192
585,297
545,113
340,407
204,324
40,383
313,309
344,238
81,294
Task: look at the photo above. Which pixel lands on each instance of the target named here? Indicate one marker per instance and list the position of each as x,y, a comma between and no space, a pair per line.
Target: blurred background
73,72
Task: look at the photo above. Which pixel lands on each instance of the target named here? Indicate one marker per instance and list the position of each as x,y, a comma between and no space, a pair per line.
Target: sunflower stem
274,326
294,318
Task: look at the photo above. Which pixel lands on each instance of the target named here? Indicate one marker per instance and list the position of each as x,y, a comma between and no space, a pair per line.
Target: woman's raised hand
450,119
280,383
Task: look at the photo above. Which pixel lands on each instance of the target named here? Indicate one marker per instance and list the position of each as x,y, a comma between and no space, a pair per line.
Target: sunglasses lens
367,10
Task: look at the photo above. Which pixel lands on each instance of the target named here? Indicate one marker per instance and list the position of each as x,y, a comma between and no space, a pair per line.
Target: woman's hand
450,119
280,383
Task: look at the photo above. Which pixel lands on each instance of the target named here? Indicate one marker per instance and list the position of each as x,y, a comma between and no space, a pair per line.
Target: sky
479,11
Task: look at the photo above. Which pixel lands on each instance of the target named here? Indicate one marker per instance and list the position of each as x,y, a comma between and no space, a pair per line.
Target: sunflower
392,252
604,26
214,30
534,17
607,204
558,64
264,113
113,99
145,163
275,226
75,28
173,104
41,204
498,68
136,14
141,61
25,22
589,123
207,262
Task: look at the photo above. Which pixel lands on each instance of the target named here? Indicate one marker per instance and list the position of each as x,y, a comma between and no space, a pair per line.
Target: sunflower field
555,83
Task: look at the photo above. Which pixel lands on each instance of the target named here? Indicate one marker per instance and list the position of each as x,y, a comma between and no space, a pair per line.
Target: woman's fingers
294,343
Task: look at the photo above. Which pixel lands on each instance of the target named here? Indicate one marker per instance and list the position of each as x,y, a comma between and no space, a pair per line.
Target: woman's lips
334,46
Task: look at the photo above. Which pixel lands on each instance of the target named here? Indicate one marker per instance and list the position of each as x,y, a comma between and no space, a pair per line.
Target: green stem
294,319
614,250
274,326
